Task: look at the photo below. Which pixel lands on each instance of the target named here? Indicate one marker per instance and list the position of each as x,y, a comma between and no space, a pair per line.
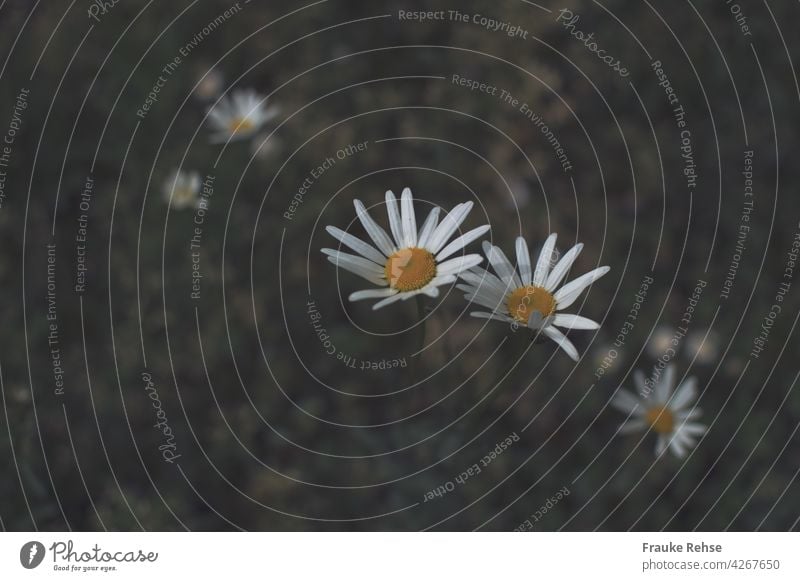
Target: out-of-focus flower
531,297
210,85
660,341
182,189
412,263
668,414
239,116
703,346
263,149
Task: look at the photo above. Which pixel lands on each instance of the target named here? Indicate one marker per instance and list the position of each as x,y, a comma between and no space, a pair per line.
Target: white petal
462,241
458,265
377,293
665,383
501,265
661,445
692,414
574,322
485,301
344,257
493,316
562,341
359,246
449,224
356,265
567,294
693,429
387,301
395,223
484,279
409,219
685,394
677,448
562,268
524,261
441,279
543,264
428,227
378,234
358,271
625,402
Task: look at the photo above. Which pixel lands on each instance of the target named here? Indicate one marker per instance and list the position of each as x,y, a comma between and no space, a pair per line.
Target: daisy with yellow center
531,296
239,115
182,189
669,414
411,261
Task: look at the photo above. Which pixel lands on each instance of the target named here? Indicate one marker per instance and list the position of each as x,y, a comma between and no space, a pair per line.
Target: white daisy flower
182,189
413,261
668,414
531,296
662,338
239,116
703,346
210,85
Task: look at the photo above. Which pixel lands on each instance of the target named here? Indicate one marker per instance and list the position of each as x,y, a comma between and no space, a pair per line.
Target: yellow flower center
410,269
183,195
240,124
526,299
661,419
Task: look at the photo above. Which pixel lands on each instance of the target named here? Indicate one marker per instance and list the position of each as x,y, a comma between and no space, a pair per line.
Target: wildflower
413,261
531,297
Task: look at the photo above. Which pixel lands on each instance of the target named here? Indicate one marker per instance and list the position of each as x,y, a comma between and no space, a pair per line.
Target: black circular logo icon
31,554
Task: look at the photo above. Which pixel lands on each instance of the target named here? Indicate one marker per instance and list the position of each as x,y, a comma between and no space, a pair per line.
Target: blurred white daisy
182,189
239,115
660,341
670,415
703,346
210,85
263,149
531,297
413,261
